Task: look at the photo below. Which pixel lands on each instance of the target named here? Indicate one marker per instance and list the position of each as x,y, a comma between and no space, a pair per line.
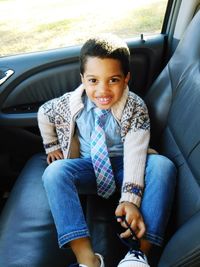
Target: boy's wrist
128,202
132,198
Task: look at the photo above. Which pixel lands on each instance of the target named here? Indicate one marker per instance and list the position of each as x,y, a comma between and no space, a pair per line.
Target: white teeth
104,99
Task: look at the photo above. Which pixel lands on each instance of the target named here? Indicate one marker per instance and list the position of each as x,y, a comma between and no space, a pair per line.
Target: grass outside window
35,25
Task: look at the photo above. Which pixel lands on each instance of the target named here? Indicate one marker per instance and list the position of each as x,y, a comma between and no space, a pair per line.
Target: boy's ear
127,78
82,79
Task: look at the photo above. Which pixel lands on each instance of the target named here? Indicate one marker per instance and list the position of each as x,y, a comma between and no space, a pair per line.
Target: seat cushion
27,232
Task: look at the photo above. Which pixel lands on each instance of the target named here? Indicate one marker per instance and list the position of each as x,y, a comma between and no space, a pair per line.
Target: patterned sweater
56,119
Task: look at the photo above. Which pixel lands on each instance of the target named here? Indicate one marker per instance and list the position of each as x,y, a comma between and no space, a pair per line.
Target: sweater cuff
131,192
50,147
136,200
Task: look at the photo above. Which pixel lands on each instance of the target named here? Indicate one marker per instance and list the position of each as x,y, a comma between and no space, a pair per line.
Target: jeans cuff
154,239
63,240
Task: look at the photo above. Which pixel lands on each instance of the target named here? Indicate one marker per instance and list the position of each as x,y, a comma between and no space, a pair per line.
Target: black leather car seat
27,233
174,106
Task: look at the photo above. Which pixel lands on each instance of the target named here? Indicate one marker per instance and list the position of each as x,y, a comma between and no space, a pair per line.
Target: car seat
27,232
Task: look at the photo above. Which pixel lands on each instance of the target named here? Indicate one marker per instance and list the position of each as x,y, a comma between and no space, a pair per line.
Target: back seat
27,231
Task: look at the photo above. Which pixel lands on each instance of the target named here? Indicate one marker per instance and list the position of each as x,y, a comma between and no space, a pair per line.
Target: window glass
35,25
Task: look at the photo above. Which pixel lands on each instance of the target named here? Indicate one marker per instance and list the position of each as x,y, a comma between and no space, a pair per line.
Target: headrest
188,50
182,68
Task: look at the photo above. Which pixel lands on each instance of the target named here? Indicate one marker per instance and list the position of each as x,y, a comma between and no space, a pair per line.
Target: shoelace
132,242
137,254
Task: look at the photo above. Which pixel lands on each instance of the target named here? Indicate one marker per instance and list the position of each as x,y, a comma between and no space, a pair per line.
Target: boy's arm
135,153
135,149
136,142
46,123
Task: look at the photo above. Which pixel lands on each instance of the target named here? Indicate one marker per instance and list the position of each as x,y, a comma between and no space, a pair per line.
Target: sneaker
134,258
100,259
82,265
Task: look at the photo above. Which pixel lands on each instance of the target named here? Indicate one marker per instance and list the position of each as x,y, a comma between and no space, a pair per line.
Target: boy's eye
114,80
92,80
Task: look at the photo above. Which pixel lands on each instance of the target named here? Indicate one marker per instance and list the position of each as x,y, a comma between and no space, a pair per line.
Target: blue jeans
63,179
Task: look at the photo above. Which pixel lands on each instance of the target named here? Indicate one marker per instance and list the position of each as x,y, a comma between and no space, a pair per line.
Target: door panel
21,104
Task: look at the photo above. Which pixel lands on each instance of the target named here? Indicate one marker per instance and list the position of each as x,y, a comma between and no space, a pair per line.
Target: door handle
4,75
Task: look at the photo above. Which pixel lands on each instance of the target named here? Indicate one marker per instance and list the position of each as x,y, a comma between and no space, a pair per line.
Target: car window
36,25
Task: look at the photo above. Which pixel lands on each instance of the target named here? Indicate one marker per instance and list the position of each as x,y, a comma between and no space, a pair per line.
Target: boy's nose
103,87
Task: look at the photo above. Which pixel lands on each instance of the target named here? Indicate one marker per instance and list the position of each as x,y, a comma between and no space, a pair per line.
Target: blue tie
100,158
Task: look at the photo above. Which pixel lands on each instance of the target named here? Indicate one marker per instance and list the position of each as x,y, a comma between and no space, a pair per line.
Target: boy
69,126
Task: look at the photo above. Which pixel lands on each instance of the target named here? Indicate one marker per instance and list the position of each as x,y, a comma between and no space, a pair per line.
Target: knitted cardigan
56,119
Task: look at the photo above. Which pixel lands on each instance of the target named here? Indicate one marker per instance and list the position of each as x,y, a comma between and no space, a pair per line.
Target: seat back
174,106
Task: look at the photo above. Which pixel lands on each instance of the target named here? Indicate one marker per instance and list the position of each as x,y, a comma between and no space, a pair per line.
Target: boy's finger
119,220
142,229
125,234
134,225
123,224
119,211
57,157
48,159
61,156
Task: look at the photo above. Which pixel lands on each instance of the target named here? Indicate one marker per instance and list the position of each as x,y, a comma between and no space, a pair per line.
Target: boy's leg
160,181
159,187
61,180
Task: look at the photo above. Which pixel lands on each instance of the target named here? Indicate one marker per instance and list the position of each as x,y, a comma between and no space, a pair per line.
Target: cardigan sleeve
46,123
135,152
136,143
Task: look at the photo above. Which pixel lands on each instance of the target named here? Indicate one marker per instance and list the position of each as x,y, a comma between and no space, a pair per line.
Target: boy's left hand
133,217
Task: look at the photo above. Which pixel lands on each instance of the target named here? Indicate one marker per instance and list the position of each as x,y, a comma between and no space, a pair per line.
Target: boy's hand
54,155
133,217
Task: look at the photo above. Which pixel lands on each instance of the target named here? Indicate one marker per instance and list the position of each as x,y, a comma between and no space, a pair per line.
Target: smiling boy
104,87
67,125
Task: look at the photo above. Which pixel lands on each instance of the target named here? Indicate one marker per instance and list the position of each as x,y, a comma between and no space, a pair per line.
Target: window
36,25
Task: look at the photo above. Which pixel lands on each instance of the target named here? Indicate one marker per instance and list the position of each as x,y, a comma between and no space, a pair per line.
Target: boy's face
104,81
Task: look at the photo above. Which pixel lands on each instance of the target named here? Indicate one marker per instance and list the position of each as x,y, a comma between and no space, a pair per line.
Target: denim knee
162,167
53,173
169,169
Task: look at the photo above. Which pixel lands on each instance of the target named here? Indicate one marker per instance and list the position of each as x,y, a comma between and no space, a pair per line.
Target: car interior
169,83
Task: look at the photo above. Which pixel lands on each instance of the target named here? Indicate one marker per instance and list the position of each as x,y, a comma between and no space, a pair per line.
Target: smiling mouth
103,100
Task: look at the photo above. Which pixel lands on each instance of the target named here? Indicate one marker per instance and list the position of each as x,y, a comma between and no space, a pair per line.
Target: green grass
60,25
37,27
146,20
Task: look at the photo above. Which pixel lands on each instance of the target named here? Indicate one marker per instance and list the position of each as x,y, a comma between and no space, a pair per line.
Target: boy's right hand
133,218
54,155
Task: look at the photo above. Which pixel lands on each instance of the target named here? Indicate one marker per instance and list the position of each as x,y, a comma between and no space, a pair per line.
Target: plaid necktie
100,159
